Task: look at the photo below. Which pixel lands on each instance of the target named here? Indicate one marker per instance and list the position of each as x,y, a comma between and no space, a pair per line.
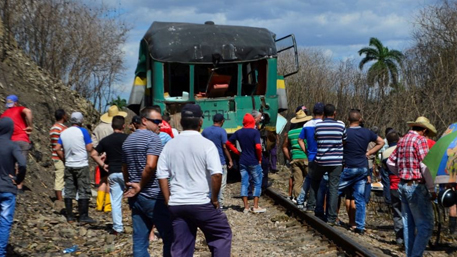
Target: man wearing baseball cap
189,169
218,135
23,126
75,141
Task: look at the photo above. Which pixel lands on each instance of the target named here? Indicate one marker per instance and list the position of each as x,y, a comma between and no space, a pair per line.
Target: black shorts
348,194
103,173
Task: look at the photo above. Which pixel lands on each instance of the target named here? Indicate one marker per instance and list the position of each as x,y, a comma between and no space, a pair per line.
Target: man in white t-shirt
192,164
75,141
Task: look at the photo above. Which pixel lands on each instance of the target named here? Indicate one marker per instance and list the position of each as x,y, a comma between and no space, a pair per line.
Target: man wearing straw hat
416,187
294,154
102,130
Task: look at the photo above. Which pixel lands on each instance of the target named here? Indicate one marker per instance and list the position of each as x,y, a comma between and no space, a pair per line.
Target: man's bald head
354,116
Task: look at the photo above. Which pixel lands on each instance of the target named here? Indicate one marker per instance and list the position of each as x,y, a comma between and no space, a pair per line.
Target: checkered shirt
410,151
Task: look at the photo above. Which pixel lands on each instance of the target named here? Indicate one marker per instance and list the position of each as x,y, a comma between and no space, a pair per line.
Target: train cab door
285,45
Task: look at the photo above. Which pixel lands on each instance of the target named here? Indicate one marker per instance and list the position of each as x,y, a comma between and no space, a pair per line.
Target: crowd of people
176,183
330,161
176,193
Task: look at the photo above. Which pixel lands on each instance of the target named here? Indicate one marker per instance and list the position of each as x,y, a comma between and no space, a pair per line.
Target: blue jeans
145,213
7,206
320,198
417,213
368,187
116,189
301,199
255,173
355,178
321,192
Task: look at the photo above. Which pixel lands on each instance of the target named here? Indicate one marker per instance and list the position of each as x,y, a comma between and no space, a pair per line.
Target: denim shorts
254,173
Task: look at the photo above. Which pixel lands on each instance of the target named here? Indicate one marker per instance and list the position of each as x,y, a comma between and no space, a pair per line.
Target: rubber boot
452,224
69,210
83,207
100,200
107,207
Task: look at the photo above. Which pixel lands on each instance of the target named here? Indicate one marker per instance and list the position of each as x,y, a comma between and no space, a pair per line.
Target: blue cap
191,111
10,100
318,108
218,117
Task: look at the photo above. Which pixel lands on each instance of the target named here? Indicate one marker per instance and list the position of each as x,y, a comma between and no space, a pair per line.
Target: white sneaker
258,210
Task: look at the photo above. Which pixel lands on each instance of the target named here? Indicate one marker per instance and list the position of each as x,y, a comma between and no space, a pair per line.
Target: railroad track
344,245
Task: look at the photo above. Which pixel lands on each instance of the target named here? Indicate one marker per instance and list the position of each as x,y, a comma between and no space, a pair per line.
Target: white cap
76,118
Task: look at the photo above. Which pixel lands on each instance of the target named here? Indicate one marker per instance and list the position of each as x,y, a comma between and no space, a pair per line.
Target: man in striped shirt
54,133
330,135
141,152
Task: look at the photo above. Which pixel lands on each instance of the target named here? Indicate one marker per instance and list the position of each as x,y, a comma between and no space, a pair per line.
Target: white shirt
188,161
74,140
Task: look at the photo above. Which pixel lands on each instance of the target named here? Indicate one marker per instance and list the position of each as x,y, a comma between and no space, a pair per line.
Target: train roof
199,43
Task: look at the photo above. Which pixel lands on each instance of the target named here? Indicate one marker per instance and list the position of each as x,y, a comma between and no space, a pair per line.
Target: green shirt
297,152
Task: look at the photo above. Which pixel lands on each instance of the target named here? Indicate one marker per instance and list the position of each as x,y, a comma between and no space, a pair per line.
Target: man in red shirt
22,119
416,187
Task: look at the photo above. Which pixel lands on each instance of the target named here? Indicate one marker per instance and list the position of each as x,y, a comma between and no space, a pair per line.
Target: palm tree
120,103
385,66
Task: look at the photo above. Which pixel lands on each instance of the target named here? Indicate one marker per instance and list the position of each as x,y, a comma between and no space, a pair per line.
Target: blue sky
337,27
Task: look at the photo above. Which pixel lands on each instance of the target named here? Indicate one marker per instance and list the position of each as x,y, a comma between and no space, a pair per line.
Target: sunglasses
155,121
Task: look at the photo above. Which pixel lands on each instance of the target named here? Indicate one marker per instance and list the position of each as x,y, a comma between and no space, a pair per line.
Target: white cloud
349,18
328,53
338,27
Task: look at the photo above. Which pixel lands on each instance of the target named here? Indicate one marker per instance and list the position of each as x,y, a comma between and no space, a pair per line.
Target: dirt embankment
39,227
42,94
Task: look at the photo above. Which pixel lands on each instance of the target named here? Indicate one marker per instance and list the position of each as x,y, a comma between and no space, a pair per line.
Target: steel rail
349,246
